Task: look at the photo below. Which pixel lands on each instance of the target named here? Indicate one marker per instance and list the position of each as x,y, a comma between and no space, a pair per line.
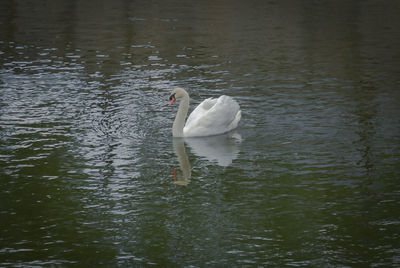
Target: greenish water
91,175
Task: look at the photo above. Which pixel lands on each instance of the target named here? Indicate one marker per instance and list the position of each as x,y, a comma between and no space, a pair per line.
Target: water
91,175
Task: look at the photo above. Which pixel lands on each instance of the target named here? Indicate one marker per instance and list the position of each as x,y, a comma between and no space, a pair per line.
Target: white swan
211,117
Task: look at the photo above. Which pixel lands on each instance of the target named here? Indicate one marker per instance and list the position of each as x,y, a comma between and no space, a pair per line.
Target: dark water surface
91,175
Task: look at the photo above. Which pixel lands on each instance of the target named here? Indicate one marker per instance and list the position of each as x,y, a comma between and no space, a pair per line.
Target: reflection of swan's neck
179,123
183,162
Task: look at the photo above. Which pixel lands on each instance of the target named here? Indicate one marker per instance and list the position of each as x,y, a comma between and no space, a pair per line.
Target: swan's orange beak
172,101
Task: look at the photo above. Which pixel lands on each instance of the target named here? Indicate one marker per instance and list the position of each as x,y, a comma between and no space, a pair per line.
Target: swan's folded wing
199,112
223,113
213,116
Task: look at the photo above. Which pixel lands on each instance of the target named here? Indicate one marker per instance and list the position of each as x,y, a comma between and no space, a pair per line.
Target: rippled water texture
91,175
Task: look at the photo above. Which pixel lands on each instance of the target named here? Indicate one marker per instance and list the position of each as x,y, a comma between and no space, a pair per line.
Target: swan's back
212,117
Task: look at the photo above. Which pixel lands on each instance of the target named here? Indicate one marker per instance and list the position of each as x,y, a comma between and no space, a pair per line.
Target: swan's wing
200,111
213,116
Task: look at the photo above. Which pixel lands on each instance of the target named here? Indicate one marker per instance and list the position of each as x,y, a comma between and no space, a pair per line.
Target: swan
211,117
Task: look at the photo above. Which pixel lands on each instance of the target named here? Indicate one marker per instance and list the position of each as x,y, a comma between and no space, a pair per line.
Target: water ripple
88,165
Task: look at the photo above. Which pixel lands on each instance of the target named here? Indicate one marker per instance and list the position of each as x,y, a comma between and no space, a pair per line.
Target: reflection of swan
222,149
184,163
211,117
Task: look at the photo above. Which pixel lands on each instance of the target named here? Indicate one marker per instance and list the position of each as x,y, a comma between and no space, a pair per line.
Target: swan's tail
235,121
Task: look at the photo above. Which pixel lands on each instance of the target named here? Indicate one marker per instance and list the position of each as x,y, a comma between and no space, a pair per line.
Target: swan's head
177,93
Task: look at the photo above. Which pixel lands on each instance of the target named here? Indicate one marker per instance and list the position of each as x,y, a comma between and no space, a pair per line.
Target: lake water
91,175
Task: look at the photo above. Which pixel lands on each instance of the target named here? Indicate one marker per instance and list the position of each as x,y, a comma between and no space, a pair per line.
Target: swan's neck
179,123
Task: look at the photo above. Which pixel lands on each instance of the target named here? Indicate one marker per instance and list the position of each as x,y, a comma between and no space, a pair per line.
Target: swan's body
211,117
